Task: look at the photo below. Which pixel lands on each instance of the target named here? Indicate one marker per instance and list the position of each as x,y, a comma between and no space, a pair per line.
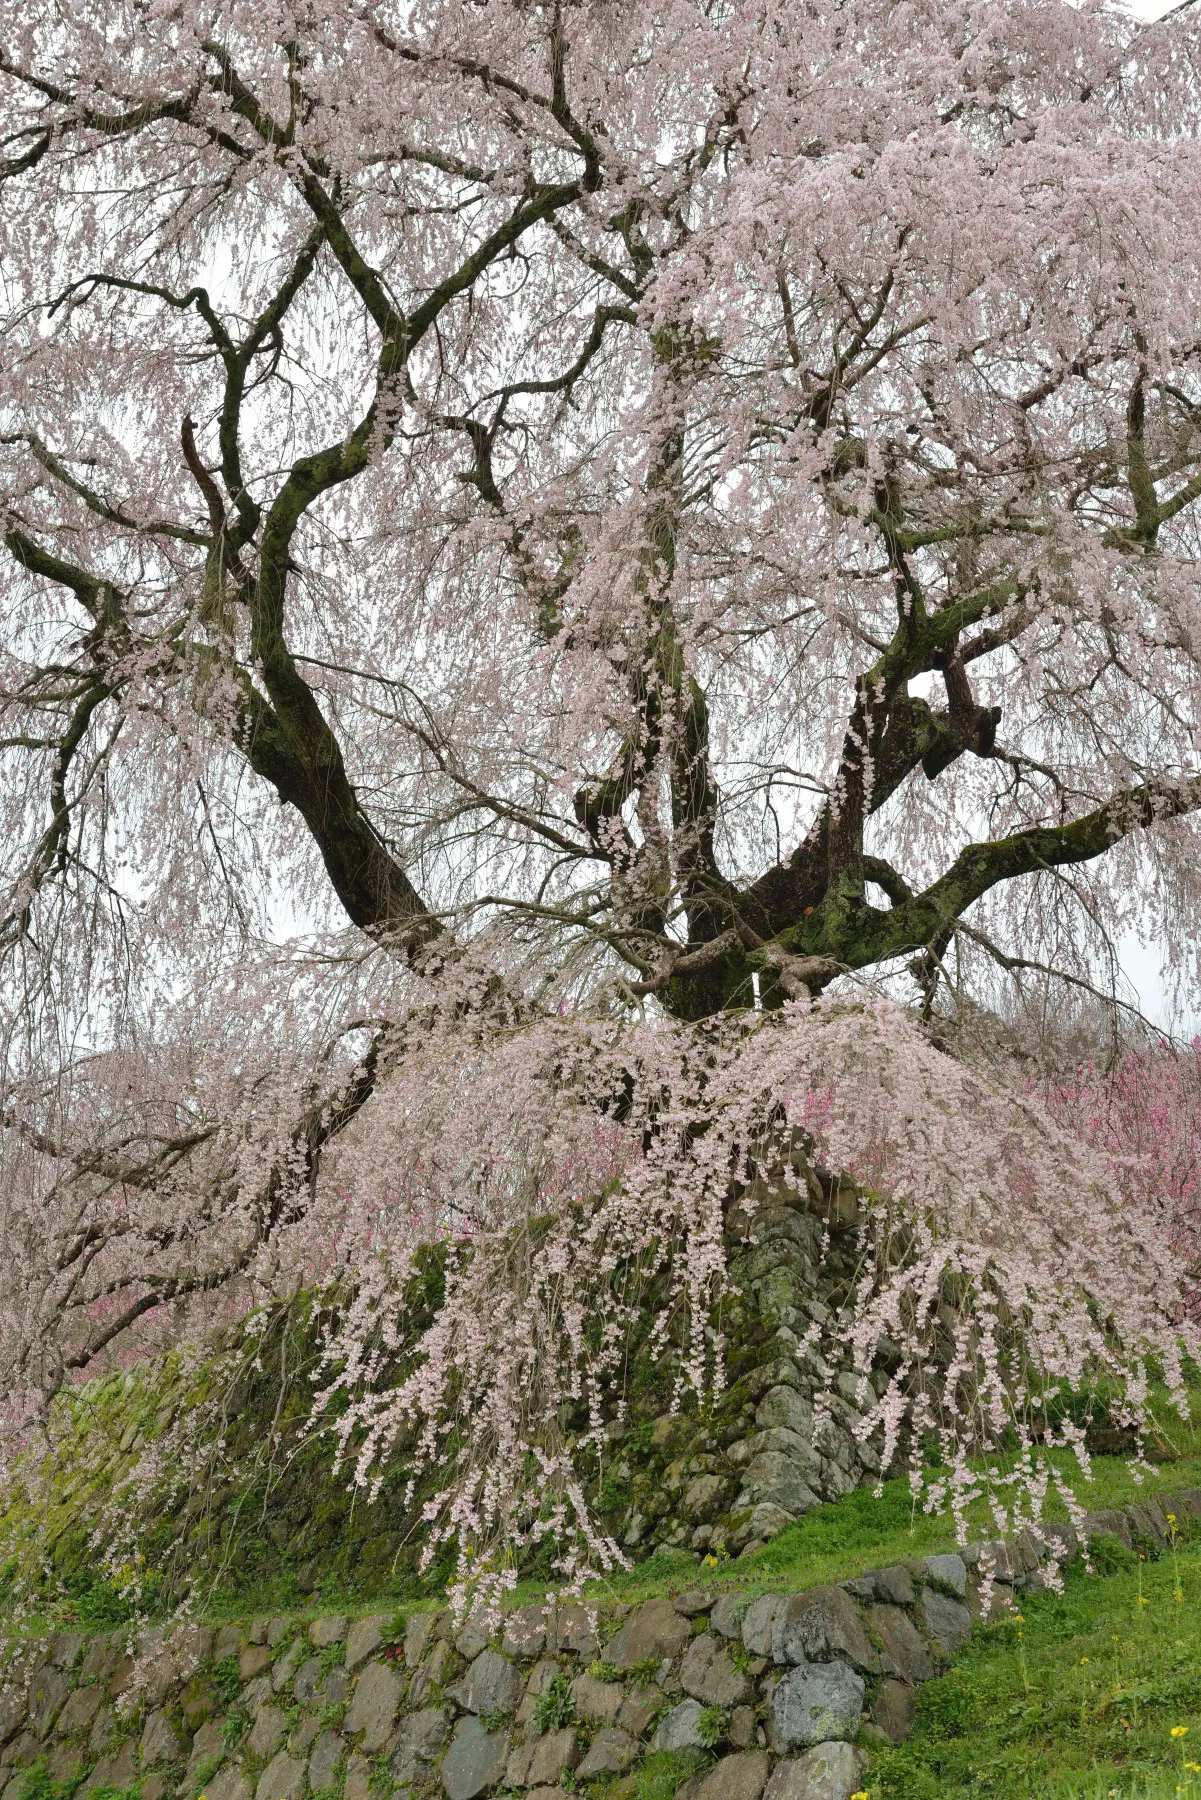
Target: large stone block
758,1623
948,1622
893,1709
307,1680
47,1693
282,1779
253,1660
374,1707
775,1479
894,1586
266,1734
819,1625
229,1783
830,1771
80,1710
736,1777
638,1709
785,1406
655,1629
159,1742
525,1632
596,1701
418,1744
491,1685
680,1730
610,1752
949,1572
812,1705
364,1638
475,1762
904,1652
541,1761
325,1760
327,1631
708,1674
420,1630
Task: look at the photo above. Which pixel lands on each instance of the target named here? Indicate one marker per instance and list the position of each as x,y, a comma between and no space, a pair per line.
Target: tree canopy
522,511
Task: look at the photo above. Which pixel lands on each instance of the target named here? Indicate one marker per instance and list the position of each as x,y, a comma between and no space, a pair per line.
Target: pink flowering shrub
1145,1115
999,1258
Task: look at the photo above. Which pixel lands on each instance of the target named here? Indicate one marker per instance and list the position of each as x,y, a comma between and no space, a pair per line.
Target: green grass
1077,1701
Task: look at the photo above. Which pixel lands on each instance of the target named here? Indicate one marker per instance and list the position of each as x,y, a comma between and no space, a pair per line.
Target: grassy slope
1077,1701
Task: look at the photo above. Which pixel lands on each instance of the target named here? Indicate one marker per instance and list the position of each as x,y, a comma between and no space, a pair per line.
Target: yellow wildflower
1179,1730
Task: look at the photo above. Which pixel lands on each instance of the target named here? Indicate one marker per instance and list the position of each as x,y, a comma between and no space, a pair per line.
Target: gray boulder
815,1704
475,1761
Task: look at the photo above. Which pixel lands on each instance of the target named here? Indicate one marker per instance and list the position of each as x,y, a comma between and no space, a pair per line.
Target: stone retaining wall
786,1691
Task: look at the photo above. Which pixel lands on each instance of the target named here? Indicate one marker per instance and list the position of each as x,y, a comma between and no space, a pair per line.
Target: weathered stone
256,1631
286,1667
119,1771
759,1622
66,1649
947,1621
277,1630
103,1727
727,1615
740,1732
597,1701
253,1660
893,1585
783,1406
904,1652
121,1676
811,1705
474,1637
282,1779
65,1764
196,1703
680,1730
695,1602
441,1662
525,1632
739,1777
336,1691
208,1741
820,1624
303,1733
267,1732
324,1632
102,1656
610,1752
655,1629
892,1709
1110,1523
575,1630
638,1709
159,1742
760,1524
1149,1519
703,1496
357,1785
830,1771
708,1674
541,1676
418,1743
47,1692
81,1708
325,1760
363,1639
227,1643
256,1693
419,1635
374,1707
491,1685
307,1681
229,1783
475,1761
949,1572
774,1479
541,1761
